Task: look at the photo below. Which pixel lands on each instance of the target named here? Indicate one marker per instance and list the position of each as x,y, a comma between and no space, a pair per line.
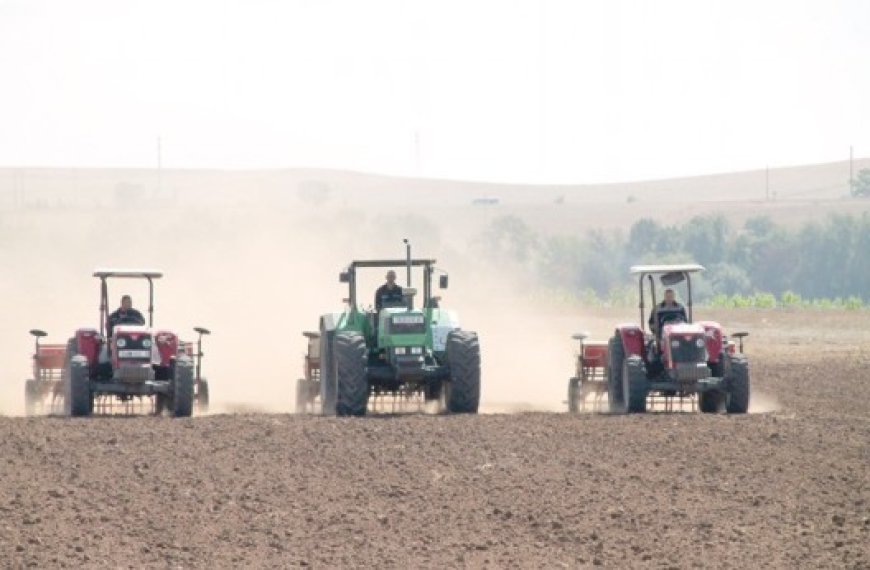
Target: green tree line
761,260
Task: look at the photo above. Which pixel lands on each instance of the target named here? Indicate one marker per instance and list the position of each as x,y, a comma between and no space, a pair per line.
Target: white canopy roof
132,273
656,269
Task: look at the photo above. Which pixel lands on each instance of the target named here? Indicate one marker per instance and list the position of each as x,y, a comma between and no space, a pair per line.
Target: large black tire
710,402
350,355
463,358
616,359
182,389
160,404
433,391
31,397
738,385
328,387
79,398
635,385
202,397
573,394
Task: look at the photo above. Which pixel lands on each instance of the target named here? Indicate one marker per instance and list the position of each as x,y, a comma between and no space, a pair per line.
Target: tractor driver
671,304
125,315
389,293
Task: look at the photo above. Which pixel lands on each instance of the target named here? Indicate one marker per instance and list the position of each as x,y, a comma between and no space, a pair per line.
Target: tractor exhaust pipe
408,260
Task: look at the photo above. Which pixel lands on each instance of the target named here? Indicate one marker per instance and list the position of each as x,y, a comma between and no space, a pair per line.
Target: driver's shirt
122,317
386,294
653,318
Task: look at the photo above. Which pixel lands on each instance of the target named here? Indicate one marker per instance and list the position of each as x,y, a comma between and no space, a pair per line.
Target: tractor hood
677,329
403,321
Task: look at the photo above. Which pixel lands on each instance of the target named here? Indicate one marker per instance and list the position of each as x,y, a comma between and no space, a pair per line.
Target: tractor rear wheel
182,389
79,398
616,359
738,386
573,394
327,374
635,385
463,358
202,397
350,369
31,397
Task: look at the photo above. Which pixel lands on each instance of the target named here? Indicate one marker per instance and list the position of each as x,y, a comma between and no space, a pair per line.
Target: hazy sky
524,91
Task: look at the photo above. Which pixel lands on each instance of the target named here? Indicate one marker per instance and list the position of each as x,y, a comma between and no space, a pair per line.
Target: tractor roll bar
104,276
349,275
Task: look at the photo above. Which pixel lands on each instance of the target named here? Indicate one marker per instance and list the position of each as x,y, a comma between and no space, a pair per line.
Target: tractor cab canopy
127,273
349,276
104,274
667,276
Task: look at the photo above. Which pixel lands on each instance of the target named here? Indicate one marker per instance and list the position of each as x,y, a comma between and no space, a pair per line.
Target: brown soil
786,489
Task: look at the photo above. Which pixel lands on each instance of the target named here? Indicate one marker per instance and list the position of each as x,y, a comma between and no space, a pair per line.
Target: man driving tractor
389,293
670,304
125,315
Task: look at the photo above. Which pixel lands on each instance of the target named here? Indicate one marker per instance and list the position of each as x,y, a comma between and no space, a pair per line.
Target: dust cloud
258,266
255,257
762,403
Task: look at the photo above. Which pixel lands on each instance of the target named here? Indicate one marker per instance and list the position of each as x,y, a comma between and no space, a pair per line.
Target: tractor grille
687,372
407,324
687,351
134,374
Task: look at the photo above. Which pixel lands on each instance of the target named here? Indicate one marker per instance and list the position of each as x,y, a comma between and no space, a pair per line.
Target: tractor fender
632,339
714,340
330,322
443,322
88,345
164,347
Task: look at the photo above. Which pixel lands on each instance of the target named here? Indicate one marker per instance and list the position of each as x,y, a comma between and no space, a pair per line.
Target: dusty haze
255,257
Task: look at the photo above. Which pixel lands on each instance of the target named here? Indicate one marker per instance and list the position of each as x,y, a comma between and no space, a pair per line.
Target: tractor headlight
675,344
416,350
122,342
400,350
146,343
700,343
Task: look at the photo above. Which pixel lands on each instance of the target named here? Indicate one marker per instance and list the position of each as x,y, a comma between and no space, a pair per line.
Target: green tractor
408,348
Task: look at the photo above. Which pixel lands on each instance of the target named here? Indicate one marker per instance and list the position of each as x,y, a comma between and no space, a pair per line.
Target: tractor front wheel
463,357
616,360
182,389
738,386
350,368
635,385
710,402
79,398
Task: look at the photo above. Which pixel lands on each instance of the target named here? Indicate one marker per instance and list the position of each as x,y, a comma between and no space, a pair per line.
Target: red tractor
43,391
676,357
137,361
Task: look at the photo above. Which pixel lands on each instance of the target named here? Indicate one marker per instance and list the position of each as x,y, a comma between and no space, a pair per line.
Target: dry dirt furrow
784,489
